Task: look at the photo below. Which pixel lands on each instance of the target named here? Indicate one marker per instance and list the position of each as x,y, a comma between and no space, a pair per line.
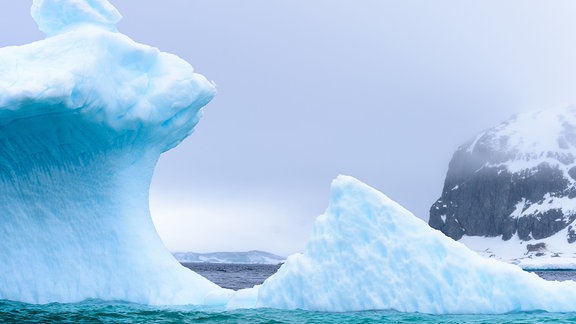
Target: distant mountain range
250,257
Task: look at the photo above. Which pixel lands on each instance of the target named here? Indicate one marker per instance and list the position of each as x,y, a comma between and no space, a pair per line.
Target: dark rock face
488,193
571,234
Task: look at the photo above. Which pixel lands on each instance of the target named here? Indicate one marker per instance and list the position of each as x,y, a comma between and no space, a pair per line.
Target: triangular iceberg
368,252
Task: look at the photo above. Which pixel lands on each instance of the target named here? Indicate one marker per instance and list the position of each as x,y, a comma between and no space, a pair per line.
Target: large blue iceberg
84,116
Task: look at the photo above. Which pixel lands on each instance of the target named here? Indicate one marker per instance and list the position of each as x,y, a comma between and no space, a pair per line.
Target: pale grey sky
384,91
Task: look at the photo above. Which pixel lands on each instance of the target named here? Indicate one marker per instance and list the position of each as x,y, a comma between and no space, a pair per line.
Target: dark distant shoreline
249,257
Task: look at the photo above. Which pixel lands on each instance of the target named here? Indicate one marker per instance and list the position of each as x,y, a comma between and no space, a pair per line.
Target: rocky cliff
518,178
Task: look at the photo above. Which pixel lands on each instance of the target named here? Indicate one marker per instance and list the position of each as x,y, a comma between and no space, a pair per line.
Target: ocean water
234,276
94,311
241,276
556,275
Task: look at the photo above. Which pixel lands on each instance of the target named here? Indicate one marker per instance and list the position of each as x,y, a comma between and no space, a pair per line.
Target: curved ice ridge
84,116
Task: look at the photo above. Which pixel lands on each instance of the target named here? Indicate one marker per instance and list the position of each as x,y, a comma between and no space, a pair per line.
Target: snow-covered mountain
516,180
250,257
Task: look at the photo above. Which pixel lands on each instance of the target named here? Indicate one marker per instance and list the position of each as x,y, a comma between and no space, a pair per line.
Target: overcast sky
384,91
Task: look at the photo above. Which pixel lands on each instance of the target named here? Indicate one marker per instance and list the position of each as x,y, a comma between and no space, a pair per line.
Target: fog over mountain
518,178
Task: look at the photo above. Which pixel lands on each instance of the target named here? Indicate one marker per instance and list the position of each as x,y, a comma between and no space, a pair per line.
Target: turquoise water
242,276
106,312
